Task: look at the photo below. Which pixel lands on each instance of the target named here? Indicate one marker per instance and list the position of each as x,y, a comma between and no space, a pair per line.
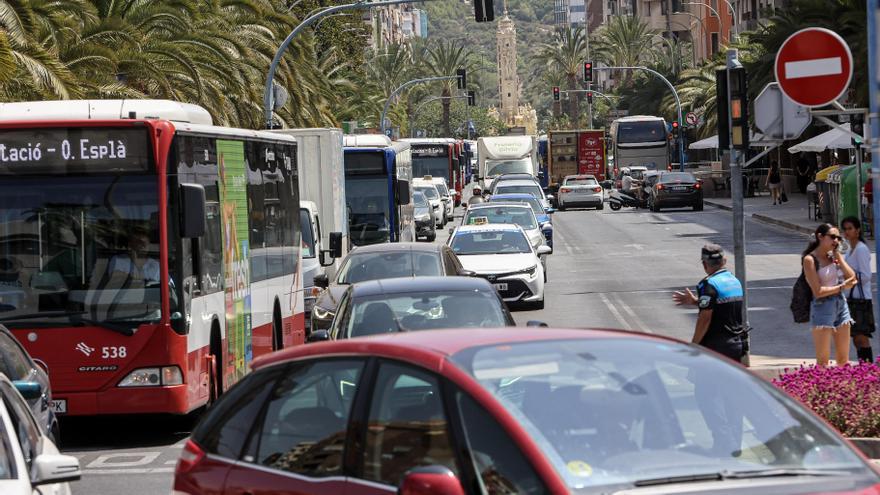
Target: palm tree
566,54
625,42
445,58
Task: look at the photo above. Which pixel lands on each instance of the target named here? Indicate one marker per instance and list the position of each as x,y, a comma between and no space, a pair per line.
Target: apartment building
395,24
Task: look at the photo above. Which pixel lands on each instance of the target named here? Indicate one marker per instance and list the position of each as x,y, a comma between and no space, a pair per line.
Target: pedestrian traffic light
462,78
590,97
472,98
556,95
484,11
739,108
588,71
857,126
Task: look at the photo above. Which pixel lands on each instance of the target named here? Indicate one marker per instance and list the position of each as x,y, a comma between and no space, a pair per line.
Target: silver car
523,186
582,191
520,214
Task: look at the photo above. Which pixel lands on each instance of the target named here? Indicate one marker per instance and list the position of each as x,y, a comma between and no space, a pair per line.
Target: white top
149,272
859,259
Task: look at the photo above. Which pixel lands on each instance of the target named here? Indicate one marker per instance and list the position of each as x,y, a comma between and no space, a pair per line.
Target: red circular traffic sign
814,67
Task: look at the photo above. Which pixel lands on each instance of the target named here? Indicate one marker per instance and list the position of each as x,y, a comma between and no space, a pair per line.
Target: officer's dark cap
712,252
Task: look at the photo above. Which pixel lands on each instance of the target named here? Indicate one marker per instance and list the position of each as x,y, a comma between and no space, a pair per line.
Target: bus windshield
79,248
436,166
369,207
651,131
518,166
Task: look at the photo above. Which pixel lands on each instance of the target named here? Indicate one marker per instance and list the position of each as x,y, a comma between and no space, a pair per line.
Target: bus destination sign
74,150
423,151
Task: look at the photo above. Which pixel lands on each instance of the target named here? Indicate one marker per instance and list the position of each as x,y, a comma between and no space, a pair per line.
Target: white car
523,186
580,191
447,195
433,196
29,461
502,254
519,214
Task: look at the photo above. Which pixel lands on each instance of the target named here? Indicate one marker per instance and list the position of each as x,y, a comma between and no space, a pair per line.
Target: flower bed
848,397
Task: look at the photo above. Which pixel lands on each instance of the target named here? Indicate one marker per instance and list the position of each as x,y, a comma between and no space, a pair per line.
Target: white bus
640,140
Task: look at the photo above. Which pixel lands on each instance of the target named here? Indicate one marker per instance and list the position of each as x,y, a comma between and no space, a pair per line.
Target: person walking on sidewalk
829,314
774,182
719,298
858,257
802,167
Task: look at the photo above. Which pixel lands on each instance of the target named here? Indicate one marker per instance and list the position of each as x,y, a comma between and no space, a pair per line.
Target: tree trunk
573,101
447,132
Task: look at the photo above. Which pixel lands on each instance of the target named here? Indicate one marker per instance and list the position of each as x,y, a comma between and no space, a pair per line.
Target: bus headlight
153,377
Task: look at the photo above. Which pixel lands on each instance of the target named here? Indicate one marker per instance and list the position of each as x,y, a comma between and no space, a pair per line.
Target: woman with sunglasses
823,265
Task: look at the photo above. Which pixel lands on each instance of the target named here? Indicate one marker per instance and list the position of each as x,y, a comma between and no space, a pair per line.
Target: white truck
504,155
322,205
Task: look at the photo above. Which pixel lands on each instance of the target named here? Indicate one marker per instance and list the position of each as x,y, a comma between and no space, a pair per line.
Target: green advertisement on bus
236,255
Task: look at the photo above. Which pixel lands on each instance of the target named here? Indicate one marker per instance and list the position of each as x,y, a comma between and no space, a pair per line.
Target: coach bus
146,255
378,189
640,140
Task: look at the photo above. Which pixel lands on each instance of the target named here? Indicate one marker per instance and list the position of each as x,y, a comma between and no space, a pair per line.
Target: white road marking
128,471
138,459
615,312
640,325
811,68
695,311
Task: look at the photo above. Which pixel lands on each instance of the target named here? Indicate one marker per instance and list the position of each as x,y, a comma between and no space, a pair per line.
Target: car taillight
191,455
660,187
565,190
597,189
697,185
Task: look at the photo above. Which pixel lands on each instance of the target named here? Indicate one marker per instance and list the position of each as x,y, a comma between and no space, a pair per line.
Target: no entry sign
814,67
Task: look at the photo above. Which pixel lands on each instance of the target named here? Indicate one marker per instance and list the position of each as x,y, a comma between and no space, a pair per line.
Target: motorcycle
618,200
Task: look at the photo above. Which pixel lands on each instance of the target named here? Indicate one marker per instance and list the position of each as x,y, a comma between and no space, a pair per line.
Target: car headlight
321,313
153,377
436,207
530,271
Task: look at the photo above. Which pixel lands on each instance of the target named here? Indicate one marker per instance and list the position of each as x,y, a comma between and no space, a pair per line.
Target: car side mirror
451,230
28,390
192,211
42,364
551,197
542,250
551,211
55,468
467,273
430,480
536,323
321,280
319,336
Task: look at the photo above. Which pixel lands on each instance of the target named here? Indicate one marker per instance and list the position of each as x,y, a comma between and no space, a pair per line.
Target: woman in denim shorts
823,264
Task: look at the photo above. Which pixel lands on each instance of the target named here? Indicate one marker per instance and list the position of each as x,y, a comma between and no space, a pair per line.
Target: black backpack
802,296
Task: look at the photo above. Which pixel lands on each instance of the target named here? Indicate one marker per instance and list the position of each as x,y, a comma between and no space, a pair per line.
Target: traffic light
484,11
721,109
590,97
857,126
462,78
739,108
675,130
556,95
588,71
472,98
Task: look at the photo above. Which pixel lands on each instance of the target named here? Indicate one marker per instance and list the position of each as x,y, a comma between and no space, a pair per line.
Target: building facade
395,24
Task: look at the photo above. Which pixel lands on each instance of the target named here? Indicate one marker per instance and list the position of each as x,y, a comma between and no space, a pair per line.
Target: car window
407,426
524,217
23,422
444,191
429,192
420,200
343,314
533,190
581,182
305,422
453,266
677,177
308,235
500,464
490,242
13,362
7,456
225,429
394,264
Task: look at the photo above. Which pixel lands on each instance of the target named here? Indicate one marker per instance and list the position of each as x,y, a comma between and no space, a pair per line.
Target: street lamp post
268,102
404,86
677,103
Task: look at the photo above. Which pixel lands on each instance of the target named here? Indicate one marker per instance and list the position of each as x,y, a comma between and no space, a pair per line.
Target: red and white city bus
146,255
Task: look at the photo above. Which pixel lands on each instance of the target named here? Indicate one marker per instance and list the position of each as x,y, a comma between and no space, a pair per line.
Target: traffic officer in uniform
719,298
720,328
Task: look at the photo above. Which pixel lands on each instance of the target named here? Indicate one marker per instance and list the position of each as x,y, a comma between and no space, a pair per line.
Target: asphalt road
609,270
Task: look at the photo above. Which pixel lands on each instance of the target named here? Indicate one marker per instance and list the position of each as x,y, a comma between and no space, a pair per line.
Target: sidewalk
791,215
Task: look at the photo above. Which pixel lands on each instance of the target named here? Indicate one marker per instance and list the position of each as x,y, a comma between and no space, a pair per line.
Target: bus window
641,132
367,198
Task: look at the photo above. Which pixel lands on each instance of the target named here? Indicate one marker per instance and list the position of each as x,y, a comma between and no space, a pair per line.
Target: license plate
500,286
59,406
681,188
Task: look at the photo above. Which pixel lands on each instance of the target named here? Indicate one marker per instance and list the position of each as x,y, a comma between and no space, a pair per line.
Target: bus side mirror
192,211
403,196
335,250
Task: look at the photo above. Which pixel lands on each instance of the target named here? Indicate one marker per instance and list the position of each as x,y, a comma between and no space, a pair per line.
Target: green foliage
430,119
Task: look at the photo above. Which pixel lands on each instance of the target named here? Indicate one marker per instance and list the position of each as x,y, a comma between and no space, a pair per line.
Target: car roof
396,247
494,204
419,284
517,175
499,197
580,176
431,347
488,227
519,182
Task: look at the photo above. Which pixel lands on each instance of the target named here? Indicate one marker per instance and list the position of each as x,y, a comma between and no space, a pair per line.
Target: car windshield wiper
737,475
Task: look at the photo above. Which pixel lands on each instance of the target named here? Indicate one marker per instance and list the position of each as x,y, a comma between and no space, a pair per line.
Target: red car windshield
625,411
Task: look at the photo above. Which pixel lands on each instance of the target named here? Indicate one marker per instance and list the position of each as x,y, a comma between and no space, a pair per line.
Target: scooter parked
618,200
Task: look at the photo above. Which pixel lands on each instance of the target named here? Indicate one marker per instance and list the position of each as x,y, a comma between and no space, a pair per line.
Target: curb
765,219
